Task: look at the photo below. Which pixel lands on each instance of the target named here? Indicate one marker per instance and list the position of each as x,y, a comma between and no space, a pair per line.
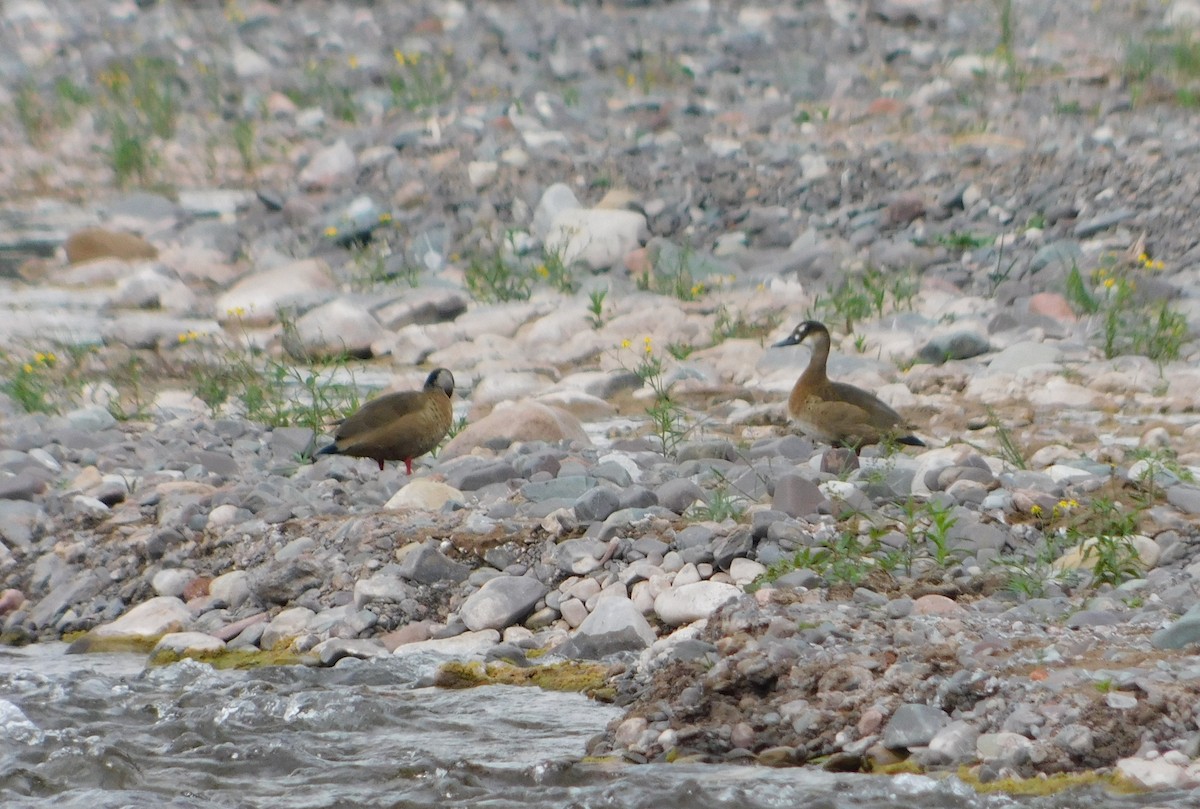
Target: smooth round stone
189,643
691,602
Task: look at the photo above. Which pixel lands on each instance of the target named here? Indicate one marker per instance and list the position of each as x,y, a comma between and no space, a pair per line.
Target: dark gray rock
475,473
501,602
24,485
637,497
428,565
1183,497
694,536
597,504
613,472
739,544
716,448
796,496
579,556
959,345
281,582
678,495
1183,632
614,626
21,522
571,487
913,725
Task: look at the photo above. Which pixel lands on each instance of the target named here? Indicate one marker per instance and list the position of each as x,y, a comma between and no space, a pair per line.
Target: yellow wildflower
1109,283
236,311
385,217
630,80
1035,510
39,357
352,60
27,368
414,58
331,231
543,270
697,289
625,344
183,337
399,54
51,358
1068,504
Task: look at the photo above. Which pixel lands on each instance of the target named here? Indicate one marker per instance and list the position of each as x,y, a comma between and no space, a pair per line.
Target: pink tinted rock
11,600
231,631
934,604
1051,304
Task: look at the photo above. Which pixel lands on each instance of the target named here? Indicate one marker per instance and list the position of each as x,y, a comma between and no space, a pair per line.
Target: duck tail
910,440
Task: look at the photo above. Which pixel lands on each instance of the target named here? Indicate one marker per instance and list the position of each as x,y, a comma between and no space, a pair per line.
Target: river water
102,732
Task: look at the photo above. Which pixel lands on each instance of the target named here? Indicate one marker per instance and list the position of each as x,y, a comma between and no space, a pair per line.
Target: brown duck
398,426
835,412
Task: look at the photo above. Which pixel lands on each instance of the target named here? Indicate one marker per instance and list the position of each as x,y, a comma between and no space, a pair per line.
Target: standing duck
398,426
835,412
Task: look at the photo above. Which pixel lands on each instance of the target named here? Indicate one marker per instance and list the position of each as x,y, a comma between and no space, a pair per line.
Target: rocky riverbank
600,217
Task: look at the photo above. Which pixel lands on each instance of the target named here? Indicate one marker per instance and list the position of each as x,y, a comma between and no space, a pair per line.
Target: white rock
425,495
1058,393
743,571
465,645
573,612
557,198
150,619
691,602
508,386
222,516
184,643
1022,355
338,327
255,298
597,237
990,746
329,168
813,166
286,626
481,173
688,574
1153,774
150,288
171,581
233,588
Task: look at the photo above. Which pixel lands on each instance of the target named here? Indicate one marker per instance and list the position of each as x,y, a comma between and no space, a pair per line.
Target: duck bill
785,342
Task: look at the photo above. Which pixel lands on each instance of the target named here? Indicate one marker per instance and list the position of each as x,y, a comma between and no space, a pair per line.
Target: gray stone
331,651
281,582
913,725
428,565
22,486
597,504
694,536
956,742
739,544
1058,255
636,497
613,472
80,588
470,474
384,587
1090,227
717,448
571,486
614,626
1185,631
579,556
796,496
501,602
678,495
959,345
21,522
1185,498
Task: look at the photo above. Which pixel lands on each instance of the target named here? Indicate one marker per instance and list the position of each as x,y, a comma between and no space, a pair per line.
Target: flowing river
103,731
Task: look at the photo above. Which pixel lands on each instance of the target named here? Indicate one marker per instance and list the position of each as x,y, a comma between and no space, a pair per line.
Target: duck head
440,378
802,331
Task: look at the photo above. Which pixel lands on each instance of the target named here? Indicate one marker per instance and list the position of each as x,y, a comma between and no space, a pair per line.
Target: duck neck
815,372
